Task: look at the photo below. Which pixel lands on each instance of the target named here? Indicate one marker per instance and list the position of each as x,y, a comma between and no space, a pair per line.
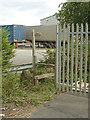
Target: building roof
48,17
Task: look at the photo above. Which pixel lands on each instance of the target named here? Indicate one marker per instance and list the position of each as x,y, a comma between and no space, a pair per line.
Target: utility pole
33,57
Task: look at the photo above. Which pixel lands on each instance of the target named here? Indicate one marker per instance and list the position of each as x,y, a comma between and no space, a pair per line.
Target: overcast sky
26,12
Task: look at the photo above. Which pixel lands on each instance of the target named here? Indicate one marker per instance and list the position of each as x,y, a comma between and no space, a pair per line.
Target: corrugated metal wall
19,32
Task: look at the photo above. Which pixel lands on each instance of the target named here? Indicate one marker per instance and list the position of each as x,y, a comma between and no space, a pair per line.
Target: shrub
7,50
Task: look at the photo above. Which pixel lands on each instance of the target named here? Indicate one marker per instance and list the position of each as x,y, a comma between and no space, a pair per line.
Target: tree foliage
74,12
7,50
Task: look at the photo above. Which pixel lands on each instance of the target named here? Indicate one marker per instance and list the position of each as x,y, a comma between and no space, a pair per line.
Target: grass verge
13,91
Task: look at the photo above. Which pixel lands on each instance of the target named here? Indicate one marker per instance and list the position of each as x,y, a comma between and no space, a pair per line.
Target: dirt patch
25,110
21,111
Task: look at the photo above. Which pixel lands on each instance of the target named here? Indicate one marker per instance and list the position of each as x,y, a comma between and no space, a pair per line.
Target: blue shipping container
17,33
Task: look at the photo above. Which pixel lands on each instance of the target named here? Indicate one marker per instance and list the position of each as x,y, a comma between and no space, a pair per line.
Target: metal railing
72,57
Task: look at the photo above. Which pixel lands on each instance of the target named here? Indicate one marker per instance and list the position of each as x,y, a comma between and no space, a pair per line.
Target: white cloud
26,12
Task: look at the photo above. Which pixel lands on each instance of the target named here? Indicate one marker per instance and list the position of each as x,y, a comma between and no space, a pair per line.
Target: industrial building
51,20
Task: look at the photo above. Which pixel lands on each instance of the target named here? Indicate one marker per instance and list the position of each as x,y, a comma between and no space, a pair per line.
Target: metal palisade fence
72,57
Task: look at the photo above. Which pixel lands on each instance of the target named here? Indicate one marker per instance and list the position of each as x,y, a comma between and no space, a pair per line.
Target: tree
74,12
7,50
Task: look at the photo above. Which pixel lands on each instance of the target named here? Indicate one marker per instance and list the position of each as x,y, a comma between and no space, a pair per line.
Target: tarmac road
24,56
64,106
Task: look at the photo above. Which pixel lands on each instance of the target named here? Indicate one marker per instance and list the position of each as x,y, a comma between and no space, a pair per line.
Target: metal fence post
76,59
81,50
68,58
86,54
59,80
57,56
64,57
72,54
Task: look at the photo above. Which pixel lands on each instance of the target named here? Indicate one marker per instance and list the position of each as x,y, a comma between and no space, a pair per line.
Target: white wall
49,21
